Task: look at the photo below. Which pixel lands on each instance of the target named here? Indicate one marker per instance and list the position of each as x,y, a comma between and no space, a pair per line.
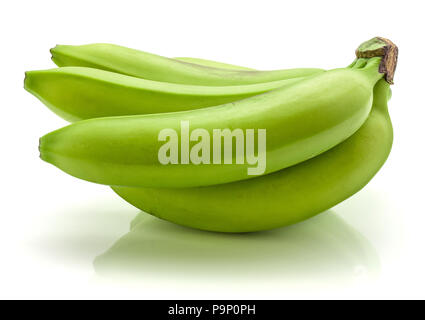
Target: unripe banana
214,64
77,93
282,198
153,67
301,121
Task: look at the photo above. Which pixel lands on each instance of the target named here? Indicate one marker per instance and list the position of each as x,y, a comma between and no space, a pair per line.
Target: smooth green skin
78,93
211,63
282,198
153,67
302,121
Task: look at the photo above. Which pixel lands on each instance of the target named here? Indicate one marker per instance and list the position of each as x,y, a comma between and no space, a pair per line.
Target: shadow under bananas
322,249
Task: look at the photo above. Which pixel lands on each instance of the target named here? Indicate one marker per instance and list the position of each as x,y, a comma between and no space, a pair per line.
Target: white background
53,226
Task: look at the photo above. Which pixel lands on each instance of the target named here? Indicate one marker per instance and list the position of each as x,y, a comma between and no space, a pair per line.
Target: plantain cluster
328,132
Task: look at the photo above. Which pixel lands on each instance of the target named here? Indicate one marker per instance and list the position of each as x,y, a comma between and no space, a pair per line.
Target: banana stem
381,47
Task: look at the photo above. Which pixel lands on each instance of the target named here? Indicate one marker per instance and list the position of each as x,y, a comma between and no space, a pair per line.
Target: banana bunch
159,131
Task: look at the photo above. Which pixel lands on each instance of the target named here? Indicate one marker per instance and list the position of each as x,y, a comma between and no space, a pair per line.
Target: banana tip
30,82
42,154
53,49
54,52
26,80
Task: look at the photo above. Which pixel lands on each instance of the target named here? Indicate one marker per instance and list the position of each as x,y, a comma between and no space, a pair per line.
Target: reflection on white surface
330,256
76,234
324,249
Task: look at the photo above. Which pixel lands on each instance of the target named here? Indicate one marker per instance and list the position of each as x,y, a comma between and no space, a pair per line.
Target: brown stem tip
381,47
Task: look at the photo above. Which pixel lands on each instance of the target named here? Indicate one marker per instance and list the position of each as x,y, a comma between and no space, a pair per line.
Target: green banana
282,198
301,120
153,67
77,93
214,64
